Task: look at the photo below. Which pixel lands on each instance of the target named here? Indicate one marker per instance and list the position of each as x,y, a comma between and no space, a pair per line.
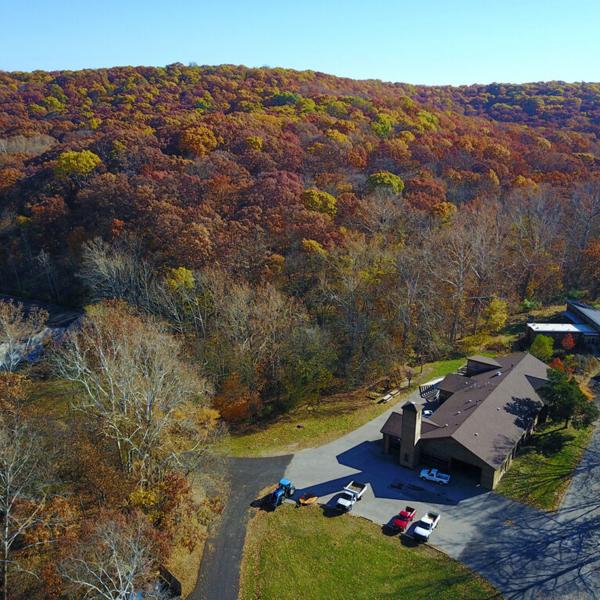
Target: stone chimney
411,433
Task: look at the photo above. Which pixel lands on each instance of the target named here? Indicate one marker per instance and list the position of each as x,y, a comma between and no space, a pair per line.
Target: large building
579,320
484,414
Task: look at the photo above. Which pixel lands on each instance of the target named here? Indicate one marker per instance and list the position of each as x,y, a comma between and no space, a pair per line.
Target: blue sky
426,41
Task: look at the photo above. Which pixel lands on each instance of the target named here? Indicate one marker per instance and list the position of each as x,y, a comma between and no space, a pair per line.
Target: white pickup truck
435,476
350,495
426,525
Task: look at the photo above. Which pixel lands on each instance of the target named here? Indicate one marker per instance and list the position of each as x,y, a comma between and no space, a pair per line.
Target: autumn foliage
204,164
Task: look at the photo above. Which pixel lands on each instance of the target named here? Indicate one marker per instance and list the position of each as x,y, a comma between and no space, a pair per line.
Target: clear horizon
437,43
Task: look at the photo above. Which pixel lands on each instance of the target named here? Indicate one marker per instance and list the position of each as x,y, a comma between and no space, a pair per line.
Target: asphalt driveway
525,553
220,568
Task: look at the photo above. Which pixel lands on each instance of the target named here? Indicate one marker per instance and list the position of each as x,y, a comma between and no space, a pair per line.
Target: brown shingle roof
484,360
453,383
393,425
490,416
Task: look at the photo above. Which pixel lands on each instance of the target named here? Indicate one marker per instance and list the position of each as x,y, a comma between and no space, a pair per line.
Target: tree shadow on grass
550,443
420,590
346,403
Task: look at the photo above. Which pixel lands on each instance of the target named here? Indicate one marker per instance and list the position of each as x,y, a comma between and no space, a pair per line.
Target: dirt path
220,568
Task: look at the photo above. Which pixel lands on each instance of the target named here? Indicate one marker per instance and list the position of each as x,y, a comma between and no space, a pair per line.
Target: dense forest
246,241
296,226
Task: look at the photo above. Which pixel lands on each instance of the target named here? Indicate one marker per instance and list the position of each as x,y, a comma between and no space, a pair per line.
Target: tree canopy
566,401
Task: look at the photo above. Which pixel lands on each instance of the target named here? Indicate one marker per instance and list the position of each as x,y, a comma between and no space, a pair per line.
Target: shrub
496,315
542,347
235,401
530,304
568,342
472,344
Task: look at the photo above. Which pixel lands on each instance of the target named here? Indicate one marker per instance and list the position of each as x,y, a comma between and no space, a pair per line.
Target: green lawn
306,426
541,472
441,368
313,425
299,553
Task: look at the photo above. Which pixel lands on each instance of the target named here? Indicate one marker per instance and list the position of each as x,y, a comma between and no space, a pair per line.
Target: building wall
444,395
386,443
490,477
449,448
445,449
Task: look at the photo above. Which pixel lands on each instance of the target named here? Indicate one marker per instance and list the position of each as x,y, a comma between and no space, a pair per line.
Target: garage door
464,468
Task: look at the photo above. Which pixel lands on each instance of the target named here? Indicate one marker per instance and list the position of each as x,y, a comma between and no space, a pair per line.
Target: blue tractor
285,489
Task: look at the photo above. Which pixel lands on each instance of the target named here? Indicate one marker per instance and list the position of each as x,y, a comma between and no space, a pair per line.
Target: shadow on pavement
389,480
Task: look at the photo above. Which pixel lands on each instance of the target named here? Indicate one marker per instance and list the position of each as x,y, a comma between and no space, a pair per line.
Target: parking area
359,455
325,471
525,553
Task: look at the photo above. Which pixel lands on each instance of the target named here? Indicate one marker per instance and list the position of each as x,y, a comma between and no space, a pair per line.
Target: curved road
220,568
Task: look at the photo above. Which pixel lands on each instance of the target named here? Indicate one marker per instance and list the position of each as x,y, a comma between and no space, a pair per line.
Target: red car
403,520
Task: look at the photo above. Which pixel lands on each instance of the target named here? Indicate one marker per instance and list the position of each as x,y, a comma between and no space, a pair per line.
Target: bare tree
536,219
113,561
18,331
22,495
382,213
254,323
113,272
452,266
134,383
489,231
46,266
411,290
584,211
122,272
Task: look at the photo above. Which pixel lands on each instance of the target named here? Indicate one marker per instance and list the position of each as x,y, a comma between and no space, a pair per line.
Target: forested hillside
301,230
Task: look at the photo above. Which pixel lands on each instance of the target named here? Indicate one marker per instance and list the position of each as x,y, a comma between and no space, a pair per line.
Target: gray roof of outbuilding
591,313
